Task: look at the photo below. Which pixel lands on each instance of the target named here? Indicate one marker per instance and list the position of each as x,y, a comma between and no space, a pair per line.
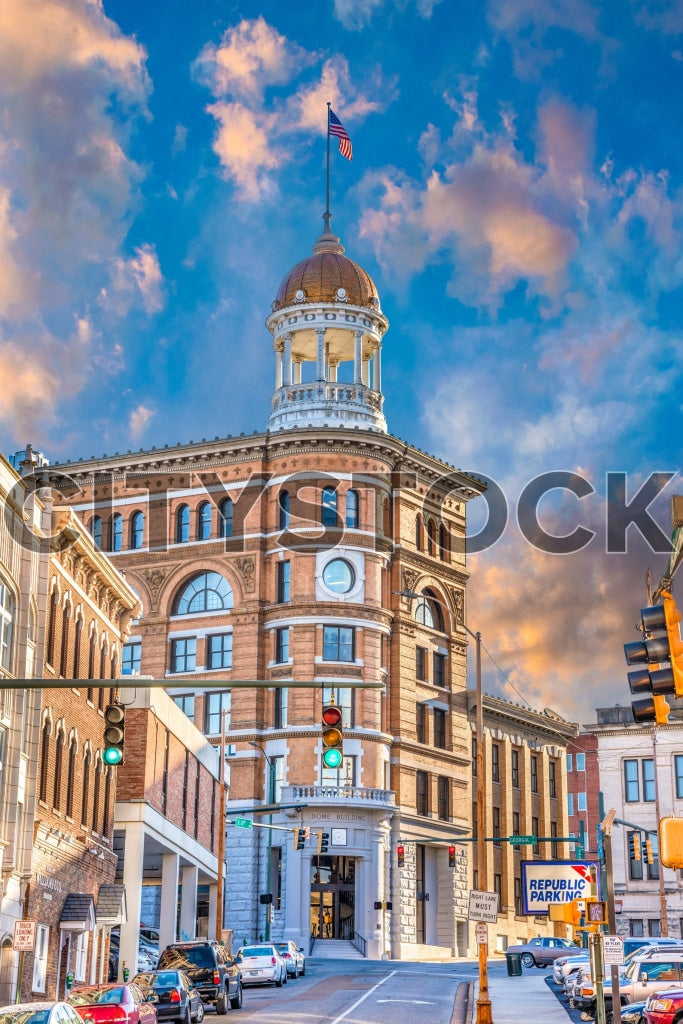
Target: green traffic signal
332,758
112,755
114,732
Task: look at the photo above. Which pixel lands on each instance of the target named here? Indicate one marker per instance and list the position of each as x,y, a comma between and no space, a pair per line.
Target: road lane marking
362,998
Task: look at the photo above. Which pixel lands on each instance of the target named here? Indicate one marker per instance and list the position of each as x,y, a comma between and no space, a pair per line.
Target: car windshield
96,995
189,956
25,1016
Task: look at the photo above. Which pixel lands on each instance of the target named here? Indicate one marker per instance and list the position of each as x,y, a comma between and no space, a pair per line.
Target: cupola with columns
327,329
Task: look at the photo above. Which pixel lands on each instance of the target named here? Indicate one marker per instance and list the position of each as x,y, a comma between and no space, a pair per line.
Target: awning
111,904
78,912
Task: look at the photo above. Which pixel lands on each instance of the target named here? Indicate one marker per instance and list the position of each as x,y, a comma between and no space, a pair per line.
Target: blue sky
515,193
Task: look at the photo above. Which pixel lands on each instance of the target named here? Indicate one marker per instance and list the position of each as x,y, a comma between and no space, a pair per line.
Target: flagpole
327,214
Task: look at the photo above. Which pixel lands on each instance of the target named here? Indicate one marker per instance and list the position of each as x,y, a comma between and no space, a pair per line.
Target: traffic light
299,838
332,736
634,846
114,733
596,912
671,842
401,855
323,842
649,853
653,680
568,913
451,856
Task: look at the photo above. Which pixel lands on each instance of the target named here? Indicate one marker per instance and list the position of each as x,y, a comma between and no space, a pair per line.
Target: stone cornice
515,716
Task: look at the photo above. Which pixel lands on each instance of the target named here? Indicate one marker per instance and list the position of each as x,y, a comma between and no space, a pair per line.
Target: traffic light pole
483,1001
269,848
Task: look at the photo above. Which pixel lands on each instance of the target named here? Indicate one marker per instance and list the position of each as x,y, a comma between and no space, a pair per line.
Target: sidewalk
518,1000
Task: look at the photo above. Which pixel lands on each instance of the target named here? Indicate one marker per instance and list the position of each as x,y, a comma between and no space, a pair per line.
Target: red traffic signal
451,856
401,854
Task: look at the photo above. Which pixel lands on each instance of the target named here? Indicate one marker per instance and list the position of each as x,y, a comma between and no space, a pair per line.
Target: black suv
211,968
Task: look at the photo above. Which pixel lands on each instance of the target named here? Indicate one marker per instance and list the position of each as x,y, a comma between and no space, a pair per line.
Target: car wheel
236,1001
527,960
296,971
222,1003
278,981
285,977
199,1015
303,969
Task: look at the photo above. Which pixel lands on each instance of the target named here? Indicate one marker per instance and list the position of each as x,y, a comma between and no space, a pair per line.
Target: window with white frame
6,621
580,762
185,701
581,801
569,762
40,958
131,659
214,706
570,804
184,654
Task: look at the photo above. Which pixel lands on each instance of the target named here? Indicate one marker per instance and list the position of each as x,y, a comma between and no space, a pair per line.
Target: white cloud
137,280
139,419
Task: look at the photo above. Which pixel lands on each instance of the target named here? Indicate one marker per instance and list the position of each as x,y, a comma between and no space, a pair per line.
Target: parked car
44,1012
633,1013
543,950
106,1004
210,968
649,971
262,963
664,1008
293,955
563,966
176,998
145,962
146,947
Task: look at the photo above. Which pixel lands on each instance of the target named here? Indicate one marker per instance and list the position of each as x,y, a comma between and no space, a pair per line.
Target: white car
566,965
262,963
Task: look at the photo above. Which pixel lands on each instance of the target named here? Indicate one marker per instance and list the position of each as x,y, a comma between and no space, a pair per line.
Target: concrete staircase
335,949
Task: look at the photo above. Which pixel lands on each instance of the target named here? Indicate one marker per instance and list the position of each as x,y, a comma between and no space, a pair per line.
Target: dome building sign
284,555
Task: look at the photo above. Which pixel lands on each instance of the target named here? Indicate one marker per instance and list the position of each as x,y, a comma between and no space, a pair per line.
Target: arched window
352,509
283,503
419,532
44,761
137,530
207,592
52,627
329,507
92,653
85,801
204,521
59,757
428,612
225,518
182,525
70,778
96,531
430,537
6,622
64,653
116,532
444,547
77,648
96,796
386,518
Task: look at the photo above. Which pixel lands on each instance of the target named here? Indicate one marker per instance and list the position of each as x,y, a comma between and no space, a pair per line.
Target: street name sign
557,881
243,822
483,906
522,840
24,939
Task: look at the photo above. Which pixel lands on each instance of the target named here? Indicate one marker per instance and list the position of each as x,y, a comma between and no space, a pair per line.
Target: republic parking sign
557,881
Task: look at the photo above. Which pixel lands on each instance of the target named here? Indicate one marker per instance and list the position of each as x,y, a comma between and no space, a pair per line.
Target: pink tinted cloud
244,145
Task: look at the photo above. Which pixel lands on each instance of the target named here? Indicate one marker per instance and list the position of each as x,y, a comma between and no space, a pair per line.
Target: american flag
337,129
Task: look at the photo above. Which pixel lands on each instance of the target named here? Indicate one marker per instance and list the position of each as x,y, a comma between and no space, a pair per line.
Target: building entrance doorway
333,897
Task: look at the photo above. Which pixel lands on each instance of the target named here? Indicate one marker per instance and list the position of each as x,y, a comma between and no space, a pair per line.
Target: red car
665,1007
113,1004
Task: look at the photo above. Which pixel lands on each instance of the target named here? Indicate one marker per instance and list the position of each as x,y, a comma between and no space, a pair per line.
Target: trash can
514,964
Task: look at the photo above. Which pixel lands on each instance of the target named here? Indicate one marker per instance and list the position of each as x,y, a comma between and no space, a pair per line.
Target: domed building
317,564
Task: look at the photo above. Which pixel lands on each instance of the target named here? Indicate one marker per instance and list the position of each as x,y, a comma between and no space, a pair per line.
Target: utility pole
483,1001
221,835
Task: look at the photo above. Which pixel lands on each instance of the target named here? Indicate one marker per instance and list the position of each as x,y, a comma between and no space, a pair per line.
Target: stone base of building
420,951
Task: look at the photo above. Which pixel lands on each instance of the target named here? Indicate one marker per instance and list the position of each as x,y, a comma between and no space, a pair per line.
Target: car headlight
661,1005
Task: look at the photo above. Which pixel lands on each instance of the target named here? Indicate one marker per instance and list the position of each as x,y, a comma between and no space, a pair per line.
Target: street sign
613,949
483,906
481,932
556,881
522,840
243,822
24,936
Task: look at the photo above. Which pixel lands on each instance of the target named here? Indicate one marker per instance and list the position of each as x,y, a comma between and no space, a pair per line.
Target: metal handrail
358,941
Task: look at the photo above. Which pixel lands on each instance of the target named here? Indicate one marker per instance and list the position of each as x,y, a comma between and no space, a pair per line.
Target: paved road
358,992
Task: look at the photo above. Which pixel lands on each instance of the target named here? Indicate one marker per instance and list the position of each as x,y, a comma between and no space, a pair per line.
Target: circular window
339,576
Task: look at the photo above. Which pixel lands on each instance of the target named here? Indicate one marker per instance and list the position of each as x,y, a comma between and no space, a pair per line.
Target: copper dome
327,276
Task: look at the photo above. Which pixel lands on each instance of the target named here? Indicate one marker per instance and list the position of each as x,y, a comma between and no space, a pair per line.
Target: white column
365,372
213,905
334,370
297,910
278,364
188,902
320,368
357,359
287,369
133,857
170,863
297,370
377,369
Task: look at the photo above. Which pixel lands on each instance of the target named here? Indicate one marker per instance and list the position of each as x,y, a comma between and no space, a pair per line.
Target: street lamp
483,1000
271,801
